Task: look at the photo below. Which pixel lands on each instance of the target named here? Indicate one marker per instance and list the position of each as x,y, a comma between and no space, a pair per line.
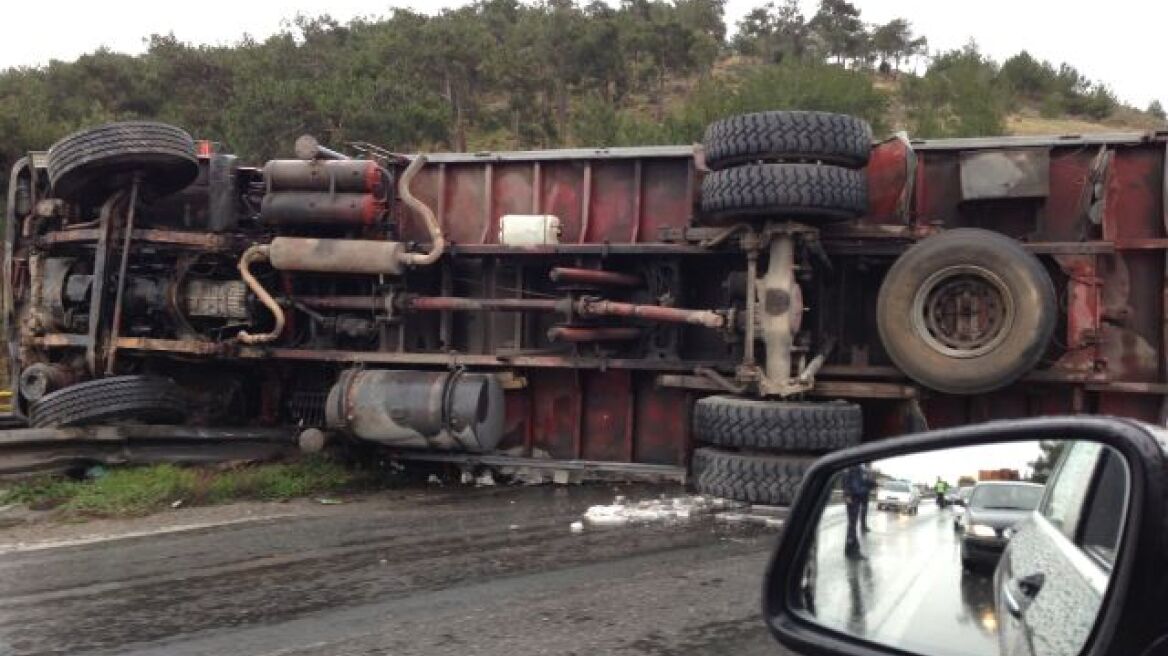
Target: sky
1117,42
951,464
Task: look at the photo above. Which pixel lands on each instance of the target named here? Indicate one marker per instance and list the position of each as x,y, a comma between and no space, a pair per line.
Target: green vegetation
504,74
135,491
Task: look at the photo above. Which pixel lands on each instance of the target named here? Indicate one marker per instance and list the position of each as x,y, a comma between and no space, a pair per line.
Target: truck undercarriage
784,290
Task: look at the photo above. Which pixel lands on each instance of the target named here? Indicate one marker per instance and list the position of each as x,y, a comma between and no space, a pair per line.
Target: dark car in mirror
1041,564
993,510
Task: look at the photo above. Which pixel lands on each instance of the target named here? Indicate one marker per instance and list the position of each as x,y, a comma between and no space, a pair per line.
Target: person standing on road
940,487
855,488
869,485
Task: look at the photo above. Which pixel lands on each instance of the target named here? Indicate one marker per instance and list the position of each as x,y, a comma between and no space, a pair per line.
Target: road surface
433,571
911,591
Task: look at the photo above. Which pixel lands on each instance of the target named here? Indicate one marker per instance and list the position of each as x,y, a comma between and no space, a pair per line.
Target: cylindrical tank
291,208
336,255
41,378
449,411
349,175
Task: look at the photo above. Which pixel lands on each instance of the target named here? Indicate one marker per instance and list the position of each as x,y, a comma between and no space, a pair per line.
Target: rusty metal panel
619,200
1134,200
887,171
661,423
667,193
1145,407
517,429
562,189
613,203
608,412
1063,213
557,401
938,190
512,194
1130,339
1015,173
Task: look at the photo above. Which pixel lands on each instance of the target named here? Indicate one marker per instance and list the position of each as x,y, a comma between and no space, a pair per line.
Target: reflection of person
940,487
855,488
869,484
860,589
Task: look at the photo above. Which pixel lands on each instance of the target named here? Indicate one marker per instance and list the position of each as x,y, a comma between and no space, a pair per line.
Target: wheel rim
963,311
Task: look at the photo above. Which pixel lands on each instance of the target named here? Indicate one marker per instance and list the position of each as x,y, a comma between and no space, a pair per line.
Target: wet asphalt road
435,571
911,591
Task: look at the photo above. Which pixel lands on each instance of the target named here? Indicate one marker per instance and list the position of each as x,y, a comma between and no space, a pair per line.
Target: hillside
499,74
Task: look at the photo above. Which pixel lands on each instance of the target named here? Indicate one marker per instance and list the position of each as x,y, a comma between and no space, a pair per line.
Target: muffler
448,411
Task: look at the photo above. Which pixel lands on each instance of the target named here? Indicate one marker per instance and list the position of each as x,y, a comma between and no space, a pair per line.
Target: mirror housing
1127,624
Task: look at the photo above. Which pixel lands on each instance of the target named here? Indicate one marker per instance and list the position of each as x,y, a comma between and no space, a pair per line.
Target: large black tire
147,399
796,191
88,165
789,426
1004,334
786,136
767,480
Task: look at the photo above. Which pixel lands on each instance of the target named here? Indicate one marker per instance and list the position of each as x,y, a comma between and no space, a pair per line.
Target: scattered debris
679,509
485,479
329,501
651,510
434,480
176,503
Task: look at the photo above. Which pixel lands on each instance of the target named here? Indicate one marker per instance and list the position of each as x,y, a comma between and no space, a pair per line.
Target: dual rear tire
805,166
758,451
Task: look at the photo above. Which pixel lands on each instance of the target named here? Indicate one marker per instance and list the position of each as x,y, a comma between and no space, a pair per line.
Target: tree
966,481
1042,468
959,96
894,42
839,26
1157,110
775,33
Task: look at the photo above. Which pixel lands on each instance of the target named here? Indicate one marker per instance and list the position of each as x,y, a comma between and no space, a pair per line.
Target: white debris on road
663,509
678,509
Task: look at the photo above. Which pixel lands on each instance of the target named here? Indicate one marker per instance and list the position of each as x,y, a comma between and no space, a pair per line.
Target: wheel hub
963,311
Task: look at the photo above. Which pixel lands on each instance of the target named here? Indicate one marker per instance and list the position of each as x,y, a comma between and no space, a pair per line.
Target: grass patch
133,491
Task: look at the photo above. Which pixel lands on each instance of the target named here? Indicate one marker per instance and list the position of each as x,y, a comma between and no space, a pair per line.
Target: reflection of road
911,591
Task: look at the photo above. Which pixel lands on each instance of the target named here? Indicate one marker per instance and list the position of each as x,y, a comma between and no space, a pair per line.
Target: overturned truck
725,311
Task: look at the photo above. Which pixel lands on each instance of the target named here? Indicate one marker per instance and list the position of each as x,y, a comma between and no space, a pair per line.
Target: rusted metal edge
64,340
822,388
177,238
634,152
671,472
971,143
132,432
602,249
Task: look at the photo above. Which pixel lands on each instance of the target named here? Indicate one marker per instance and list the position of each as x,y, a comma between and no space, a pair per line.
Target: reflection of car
951,495
994,508
1066,550
960,499
897,495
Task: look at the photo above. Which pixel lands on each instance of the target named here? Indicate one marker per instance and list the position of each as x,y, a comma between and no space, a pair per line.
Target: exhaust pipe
438,242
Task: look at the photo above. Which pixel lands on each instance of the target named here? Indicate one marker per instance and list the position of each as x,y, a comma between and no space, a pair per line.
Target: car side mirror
1045,557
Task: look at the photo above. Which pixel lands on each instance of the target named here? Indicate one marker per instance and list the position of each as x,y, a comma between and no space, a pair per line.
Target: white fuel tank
529,230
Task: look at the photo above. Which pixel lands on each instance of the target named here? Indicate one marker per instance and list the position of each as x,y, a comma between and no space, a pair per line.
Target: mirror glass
994,550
